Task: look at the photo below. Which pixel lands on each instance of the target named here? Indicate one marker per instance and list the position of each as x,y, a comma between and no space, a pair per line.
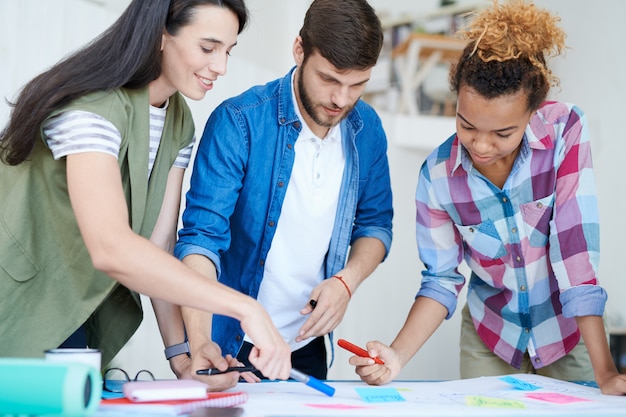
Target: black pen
215,371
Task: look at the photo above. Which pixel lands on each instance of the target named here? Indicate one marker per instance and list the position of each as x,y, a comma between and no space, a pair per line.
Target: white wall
36,33
592,75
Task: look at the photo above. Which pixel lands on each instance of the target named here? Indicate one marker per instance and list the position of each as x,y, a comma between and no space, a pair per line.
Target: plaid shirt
532,247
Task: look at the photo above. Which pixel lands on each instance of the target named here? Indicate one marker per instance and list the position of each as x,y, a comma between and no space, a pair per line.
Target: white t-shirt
295,262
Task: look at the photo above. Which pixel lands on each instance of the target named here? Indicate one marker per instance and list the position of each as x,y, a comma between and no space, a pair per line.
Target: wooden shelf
414,60
429,43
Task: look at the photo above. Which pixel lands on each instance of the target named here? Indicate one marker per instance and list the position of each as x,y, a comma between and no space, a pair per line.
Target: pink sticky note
555,398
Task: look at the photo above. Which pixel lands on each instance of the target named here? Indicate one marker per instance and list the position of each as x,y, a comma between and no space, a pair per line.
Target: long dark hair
127,54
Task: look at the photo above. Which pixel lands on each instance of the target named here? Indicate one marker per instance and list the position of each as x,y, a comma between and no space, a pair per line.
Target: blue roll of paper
37,387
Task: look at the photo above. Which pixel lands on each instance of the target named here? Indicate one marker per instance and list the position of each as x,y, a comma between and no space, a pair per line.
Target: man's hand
331,301
204,356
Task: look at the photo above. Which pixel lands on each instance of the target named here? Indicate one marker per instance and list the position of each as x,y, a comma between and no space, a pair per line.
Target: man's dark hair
347,33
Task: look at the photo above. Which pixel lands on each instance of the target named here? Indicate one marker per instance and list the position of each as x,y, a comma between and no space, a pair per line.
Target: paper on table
479,397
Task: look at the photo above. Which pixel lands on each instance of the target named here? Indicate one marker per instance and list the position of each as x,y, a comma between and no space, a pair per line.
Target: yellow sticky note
480,401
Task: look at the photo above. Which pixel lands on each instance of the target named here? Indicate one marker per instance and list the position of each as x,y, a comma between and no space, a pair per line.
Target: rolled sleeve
181,250
436,292
383,234
583,300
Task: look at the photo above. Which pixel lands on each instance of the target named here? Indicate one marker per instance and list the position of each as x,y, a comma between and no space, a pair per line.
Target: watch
176,350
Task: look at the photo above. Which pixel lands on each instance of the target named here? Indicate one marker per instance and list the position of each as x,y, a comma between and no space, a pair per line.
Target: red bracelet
344,284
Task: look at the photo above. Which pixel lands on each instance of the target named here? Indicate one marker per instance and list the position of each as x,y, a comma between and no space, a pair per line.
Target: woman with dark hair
93,161
512,193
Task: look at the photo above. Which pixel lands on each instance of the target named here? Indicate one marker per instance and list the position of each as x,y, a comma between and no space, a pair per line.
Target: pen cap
38,387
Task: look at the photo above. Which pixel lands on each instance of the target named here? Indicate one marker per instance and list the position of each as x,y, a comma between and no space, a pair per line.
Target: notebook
173,407
165,390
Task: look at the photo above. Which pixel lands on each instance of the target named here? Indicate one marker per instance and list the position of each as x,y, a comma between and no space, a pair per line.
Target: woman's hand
271,355
371,372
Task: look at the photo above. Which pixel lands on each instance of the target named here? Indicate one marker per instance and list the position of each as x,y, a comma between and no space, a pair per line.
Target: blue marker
312,382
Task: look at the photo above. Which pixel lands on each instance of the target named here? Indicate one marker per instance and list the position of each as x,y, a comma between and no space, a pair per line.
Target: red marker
358,351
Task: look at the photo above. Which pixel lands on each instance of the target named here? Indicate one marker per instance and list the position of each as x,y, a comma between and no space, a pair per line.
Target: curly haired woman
511,193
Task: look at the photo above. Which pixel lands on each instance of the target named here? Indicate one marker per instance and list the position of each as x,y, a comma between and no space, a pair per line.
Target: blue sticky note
379,395
519,384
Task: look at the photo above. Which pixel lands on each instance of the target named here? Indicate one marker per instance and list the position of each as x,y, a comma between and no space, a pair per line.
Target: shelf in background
420,132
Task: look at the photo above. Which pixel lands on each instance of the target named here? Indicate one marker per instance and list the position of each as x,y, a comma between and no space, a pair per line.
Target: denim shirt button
271,223
281,184
238,338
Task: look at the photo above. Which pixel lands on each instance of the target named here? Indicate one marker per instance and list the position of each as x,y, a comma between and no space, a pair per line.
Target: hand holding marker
294,374
358,351
215,371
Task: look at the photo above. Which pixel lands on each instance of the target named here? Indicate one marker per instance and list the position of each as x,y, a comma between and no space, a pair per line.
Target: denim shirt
238,185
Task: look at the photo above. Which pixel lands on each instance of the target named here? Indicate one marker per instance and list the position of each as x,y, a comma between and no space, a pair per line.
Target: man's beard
307,103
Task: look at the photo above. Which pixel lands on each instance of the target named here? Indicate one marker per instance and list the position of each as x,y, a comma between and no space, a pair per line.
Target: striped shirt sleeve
78,131
184,156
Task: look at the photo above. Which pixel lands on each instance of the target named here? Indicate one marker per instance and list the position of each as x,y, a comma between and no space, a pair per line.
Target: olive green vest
48,286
